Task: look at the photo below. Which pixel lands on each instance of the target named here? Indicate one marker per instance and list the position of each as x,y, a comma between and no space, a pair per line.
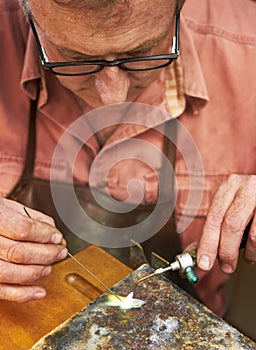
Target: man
210,88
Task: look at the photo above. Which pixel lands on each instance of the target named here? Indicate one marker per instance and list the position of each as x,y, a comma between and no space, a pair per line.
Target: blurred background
242,290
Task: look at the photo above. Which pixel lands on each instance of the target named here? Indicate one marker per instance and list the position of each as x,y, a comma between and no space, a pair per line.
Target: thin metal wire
93,275
85,268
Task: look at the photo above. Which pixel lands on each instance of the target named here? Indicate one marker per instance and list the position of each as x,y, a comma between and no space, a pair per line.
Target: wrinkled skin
30,245
89,37
231,210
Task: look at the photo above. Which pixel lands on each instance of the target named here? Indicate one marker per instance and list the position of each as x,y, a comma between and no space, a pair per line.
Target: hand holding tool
185,262
85,268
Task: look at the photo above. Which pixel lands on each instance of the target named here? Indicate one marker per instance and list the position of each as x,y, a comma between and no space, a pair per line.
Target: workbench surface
21,325
170,319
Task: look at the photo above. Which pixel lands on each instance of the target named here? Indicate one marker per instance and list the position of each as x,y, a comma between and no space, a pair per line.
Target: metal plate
171,319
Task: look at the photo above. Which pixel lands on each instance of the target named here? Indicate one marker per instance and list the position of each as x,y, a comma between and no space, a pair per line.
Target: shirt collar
193,79
32,70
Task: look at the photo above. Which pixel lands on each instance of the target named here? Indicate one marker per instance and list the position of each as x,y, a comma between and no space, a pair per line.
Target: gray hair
25,7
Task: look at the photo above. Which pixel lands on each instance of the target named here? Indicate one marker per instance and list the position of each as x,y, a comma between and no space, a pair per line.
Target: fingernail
226,268
46,271
204,262
39,294
62,254
56,238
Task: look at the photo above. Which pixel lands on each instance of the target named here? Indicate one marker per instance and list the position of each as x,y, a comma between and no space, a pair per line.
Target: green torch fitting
191,275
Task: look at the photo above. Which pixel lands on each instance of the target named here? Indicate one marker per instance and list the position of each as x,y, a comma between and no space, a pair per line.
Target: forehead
113,29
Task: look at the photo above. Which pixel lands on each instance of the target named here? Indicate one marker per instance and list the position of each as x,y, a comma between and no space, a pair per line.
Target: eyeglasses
90,67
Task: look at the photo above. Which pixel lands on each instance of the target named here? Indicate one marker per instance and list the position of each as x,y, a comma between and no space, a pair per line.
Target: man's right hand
28,247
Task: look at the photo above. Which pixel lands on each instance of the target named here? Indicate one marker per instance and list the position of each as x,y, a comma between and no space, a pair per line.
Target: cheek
143,79
84,86
76,83
137,79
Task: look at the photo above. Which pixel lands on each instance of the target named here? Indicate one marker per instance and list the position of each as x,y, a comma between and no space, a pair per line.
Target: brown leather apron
37,194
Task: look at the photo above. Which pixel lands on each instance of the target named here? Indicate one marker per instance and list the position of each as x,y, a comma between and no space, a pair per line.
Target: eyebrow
146,45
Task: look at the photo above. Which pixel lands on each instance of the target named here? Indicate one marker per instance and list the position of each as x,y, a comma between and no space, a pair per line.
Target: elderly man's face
70,35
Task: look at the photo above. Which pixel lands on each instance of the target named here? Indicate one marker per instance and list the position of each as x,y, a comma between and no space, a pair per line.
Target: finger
231,235
237,217
37,215
22,274
21,294
209,241
250,248
30,253
19,227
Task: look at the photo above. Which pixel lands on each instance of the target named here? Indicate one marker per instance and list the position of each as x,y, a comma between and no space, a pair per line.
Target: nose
112,84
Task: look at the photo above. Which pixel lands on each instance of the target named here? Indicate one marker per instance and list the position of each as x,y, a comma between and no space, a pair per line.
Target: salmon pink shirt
211,89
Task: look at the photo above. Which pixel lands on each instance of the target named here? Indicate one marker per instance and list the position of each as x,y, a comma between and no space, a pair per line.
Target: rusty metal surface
171,319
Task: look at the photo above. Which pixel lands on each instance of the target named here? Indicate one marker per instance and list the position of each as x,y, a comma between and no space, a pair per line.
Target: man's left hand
232,208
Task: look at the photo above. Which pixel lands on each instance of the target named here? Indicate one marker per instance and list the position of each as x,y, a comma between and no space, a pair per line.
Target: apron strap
29,162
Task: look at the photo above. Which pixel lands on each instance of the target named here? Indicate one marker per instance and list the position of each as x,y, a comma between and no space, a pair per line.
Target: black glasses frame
104,63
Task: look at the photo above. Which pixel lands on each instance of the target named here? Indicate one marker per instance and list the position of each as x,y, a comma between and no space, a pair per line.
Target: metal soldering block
170,319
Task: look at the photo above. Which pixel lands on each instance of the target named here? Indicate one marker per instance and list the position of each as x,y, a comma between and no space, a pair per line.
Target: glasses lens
147,64
76,69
